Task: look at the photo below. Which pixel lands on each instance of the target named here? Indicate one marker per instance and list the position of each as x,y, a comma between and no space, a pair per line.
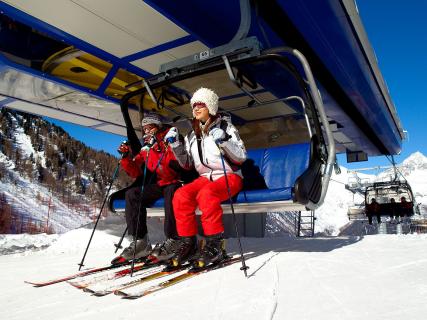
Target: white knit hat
151,118
208,97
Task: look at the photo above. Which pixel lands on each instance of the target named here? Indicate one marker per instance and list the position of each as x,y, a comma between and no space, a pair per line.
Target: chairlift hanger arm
331,154
233,79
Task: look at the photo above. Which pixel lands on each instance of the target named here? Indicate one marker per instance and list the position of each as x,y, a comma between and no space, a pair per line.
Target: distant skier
211,134
166,183
406,208
373,209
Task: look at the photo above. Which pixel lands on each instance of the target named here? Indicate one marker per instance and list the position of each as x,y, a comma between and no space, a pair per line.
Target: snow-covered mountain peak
415,161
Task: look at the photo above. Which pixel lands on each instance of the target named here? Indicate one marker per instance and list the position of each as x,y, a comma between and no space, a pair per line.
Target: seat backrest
279,166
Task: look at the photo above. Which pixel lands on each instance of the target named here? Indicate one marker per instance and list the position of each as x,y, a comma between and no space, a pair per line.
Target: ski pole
99,215
135,238
143,184
244,267
119,245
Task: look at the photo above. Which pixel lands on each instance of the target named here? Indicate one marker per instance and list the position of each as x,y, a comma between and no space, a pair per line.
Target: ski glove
124,149
218,135
172,137
149,141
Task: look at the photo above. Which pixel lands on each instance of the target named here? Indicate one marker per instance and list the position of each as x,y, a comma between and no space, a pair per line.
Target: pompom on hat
151,118
207,97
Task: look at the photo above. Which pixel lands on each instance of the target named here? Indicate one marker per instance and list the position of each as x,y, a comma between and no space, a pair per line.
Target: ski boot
177,251
142,250
166,250
212,252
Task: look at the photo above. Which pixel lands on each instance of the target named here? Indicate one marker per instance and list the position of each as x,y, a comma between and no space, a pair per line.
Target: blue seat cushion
269,174
281,166
159,203
120,204
264,195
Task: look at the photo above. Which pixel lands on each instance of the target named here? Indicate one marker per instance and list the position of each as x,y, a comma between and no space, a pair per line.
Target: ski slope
370,277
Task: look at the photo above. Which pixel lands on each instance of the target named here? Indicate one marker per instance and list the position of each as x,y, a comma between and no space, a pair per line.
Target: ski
85,281
76,275
134,294
104,289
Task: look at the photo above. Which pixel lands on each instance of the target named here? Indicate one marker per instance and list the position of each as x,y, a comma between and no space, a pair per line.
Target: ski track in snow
275,292
325,288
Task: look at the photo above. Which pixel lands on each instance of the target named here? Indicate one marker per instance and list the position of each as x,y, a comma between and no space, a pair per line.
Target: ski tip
120,293
88,290
131,297
76,285
34,284
100,293
125,295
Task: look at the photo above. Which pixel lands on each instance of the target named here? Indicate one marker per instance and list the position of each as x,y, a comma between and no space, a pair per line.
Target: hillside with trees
44,154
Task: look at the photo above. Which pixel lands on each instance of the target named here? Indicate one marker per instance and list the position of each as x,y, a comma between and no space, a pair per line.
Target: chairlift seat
269,176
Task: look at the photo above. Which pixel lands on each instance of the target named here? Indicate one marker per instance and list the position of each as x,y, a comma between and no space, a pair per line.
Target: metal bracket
239,49
153,97
233,79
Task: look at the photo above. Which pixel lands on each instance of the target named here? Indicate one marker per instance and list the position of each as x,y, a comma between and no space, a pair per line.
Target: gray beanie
151,118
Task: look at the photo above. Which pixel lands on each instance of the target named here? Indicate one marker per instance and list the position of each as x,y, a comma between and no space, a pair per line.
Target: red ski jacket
165,174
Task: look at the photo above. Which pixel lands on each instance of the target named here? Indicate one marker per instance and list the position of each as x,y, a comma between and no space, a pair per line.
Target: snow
354,277
14,243
24,194
23,141
332,215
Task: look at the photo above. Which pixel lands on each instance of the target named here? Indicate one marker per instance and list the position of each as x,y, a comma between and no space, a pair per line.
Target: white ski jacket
204,154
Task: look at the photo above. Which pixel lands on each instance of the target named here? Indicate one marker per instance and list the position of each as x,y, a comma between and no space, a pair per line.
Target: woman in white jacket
211,135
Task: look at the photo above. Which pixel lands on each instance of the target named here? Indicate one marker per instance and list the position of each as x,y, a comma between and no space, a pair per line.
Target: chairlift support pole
394,167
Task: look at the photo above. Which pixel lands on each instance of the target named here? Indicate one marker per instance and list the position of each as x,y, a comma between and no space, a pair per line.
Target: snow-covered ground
27,195
370,277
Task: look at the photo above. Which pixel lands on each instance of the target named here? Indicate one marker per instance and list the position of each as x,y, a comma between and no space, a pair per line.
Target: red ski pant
207,195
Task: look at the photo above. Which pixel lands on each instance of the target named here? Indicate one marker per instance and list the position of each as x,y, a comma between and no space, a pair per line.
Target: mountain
48,181
414,163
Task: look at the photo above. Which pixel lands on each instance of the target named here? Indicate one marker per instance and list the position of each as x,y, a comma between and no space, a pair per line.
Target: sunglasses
199,105
148,127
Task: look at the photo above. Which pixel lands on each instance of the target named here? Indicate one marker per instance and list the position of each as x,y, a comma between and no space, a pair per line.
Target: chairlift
273,100
395,198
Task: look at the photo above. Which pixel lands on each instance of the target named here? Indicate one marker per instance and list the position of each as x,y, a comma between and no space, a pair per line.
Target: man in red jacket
156,155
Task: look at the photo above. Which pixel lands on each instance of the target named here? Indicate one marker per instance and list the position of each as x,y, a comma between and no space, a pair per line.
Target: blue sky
397,31
96,139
